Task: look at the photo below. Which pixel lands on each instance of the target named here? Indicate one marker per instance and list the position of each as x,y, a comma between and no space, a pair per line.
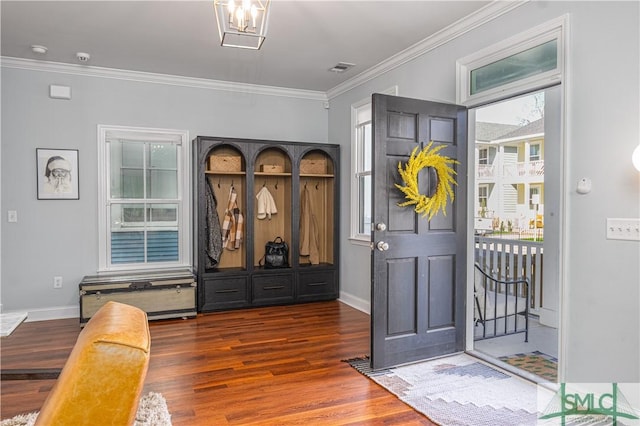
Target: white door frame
559,28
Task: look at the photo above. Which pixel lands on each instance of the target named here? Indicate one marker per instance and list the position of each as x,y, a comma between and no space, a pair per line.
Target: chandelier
243,23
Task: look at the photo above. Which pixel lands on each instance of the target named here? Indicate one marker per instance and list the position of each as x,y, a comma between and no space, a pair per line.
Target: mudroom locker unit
249,192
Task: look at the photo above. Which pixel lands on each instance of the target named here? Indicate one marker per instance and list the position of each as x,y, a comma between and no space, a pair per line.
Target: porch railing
528,169
485,171
513,259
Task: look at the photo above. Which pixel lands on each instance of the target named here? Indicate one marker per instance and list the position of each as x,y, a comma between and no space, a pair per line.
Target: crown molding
486,14
453,31
146,77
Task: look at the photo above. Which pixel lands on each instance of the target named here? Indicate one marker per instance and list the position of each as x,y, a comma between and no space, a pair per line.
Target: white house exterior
509,177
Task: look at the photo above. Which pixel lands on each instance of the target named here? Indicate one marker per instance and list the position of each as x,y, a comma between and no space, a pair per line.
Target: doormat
459,390
536,362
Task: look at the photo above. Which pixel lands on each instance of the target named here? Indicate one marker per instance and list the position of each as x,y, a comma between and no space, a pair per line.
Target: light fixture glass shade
242,23
635,158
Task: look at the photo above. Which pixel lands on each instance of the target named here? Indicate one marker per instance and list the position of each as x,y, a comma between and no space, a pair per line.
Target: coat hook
264,184
218,183
276,184
231,183
317,183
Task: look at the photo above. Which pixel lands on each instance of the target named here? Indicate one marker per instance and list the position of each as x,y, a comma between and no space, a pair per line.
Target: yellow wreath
428,157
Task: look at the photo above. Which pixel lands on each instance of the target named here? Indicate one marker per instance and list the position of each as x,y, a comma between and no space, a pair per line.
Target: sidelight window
363,171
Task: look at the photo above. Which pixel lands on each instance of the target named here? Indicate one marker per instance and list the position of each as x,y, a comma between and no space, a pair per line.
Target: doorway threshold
514,370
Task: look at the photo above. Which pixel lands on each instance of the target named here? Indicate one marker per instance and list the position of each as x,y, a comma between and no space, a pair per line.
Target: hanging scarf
214,233
233,224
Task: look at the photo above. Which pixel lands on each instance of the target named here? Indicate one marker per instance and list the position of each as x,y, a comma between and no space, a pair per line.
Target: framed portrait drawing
57,171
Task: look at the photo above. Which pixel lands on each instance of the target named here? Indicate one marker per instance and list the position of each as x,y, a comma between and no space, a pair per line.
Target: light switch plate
623,229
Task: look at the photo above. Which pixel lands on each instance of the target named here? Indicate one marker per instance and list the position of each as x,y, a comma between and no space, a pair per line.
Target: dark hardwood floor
267,366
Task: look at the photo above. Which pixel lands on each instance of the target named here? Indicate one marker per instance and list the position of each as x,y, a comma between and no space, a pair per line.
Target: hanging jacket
266,205
233,224
213,234
308,229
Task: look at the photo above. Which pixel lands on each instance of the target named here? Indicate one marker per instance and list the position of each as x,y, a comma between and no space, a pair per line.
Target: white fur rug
152,411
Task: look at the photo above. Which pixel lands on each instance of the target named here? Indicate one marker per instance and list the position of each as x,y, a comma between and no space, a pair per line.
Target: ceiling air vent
341,67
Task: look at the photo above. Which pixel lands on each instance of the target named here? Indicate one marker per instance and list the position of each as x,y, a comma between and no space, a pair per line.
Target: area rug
11,321
459,390
152,411
538,363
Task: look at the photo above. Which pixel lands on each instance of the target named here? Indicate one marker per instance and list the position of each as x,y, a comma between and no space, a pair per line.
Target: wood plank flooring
266,366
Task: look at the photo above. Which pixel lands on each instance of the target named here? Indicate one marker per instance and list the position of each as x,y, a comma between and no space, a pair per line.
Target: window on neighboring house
534,152
534,197
143,198
483,156
483,199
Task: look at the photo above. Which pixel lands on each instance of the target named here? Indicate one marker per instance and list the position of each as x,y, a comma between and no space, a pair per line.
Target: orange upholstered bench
102,379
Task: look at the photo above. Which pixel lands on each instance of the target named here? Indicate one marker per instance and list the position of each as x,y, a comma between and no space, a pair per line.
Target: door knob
381,227
382,246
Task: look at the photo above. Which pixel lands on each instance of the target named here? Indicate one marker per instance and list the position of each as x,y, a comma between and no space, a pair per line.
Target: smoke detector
41,50
341,67
83,57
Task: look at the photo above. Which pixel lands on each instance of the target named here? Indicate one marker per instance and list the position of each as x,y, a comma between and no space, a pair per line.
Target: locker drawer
317,283
224,293
272,288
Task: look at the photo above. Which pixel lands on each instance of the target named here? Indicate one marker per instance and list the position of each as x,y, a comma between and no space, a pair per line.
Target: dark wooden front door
418,266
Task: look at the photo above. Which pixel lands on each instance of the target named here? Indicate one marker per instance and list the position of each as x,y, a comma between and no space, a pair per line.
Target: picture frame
57,174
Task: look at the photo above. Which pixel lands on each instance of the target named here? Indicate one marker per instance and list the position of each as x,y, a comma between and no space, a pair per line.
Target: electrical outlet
57,282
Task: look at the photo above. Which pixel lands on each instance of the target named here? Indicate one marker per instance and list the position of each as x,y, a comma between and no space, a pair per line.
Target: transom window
143,207
528,61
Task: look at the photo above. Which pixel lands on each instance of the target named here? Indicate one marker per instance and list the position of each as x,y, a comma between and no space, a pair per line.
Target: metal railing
509,259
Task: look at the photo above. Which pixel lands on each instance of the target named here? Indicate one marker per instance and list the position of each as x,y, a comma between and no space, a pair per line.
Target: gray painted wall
602,277
59,238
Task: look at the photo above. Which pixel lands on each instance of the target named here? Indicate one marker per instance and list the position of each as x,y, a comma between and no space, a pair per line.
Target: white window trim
354,235
554,29
184,193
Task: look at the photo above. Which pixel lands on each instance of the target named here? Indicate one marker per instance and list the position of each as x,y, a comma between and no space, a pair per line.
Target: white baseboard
62,312
56,312
355,302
